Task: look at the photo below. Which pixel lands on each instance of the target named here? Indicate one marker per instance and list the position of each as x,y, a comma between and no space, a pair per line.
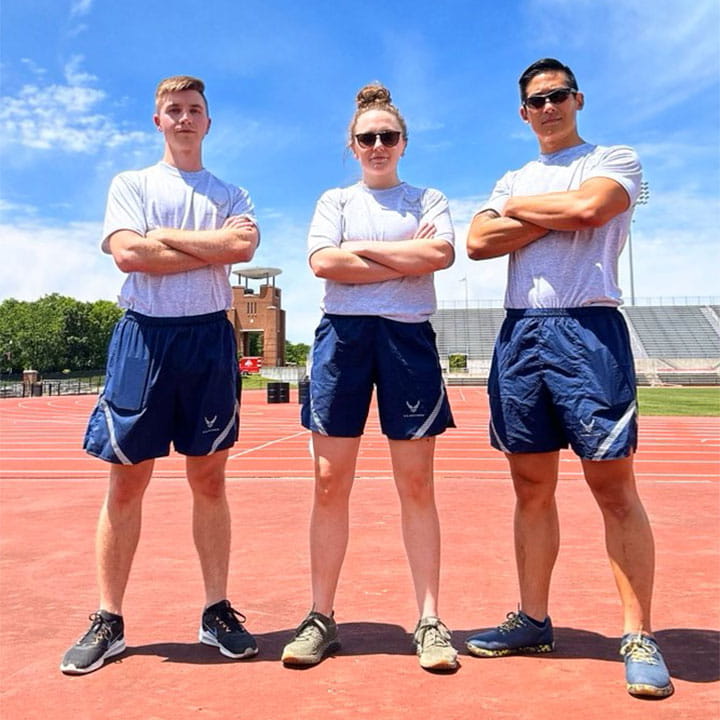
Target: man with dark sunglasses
563,372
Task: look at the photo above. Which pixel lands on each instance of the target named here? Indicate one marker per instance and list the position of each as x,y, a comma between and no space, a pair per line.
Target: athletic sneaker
433,645
646,674
516,636
222,627
104,639
315,636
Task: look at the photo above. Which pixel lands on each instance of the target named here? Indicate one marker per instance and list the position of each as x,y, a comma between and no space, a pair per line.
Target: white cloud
80,7
74,75
63,117
648,56
39,260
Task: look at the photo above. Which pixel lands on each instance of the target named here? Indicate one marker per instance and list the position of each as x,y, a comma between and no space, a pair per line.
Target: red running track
50,492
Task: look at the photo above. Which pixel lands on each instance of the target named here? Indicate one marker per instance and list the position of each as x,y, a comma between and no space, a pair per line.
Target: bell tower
259,311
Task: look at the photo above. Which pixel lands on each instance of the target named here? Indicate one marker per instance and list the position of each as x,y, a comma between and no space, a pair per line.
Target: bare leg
211,521
118,531
335,459
412,462
537,533
628,537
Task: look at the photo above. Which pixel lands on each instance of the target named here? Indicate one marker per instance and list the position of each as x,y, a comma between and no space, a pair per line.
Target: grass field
679,401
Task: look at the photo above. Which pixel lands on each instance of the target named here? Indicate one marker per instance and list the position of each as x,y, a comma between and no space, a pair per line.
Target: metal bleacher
471,332
674,331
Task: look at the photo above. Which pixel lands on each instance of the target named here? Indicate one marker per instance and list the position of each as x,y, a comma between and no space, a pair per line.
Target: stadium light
642,199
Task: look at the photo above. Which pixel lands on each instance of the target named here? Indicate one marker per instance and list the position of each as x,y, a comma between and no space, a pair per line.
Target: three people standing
562,372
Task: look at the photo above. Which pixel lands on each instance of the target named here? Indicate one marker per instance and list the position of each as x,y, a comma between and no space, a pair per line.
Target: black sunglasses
556,97
389,138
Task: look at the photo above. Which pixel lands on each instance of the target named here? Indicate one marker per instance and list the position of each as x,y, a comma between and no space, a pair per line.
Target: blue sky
78,78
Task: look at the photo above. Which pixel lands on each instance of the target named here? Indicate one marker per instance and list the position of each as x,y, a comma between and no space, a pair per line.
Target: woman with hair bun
376,244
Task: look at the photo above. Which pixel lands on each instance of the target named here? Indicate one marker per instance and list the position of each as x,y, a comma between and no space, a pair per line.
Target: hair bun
373,95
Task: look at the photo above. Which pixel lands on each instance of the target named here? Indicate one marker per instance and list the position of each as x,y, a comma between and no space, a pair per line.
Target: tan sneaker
433,646
316,635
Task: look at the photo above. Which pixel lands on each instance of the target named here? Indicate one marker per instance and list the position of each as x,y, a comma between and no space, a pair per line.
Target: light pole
642,199
467,318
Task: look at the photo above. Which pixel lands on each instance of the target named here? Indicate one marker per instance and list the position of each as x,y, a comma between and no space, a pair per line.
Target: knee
416,488
617,503
330,491
123,492
531,494
210,486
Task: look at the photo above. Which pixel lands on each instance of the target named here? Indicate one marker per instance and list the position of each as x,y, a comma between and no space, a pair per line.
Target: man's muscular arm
134,253
593,204
234,242
491,235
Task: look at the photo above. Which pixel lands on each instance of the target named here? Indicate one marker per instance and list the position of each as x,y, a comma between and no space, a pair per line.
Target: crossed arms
359,262
527,218
165,251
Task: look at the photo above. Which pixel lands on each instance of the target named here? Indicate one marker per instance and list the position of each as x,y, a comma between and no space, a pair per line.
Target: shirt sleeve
124,209
499,195
326,225
621,164
436,211
243,205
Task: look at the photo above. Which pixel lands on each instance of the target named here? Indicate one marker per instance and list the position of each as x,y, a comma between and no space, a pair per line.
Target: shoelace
99,630
513,621
638,649
230,619
309,627
433,633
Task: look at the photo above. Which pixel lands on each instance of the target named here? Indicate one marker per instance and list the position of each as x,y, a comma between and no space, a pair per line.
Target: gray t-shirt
163,196
569,268
360,213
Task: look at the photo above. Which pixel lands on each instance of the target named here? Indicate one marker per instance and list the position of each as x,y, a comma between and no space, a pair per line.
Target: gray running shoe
433,645
315,636
104,639
222,627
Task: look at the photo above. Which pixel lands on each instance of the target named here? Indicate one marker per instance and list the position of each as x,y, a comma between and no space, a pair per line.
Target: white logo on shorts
210,421
588,428
413,408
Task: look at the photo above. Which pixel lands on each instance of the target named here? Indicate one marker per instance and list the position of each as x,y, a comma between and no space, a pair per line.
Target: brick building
259,310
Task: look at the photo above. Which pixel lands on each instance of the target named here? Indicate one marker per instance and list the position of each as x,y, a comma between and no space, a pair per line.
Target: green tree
55,333
296,353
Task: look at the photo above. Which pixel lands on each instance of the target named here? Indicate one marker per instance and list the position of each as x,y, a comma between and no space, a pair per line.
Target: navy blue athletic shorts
564,377
353,353
169,380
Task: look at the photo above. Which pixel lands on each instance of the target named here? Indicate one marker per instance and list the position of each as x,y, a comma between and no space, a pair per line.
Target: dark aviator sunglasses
555,97
389,138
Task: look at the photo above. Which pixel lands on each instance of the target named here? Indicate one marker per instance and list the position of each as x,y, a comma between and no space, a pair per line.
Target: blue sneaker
646,674
516,636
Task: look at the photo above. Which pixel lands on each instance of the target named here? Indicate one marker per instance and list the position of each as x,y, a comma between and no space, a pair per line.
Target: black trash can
278,392
303,390
36,389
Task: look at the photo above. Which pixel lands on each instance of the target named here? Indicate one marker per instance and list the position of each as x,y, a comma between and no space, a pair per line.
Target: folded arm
593,204
491,235
234,242
420,255
346,267
135,253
